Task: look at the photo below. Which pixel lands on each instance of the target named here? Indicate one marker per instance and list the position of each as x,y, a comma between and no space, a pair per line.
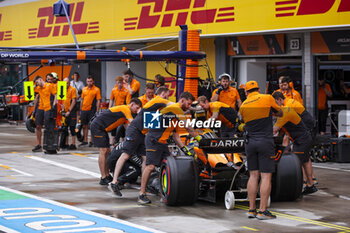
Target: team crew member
159,80
306,117
105,122
149,93
71,112
225,93
302,141
135,135
44,114
286,88
131,84
219,111
256,112
79,86
156,140
88,108
324,92
119,93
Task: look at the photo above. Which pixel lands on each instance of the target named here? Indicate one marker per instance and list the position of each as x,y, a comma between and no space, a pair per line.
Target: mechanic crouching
256,112
105,122
156,139
294,127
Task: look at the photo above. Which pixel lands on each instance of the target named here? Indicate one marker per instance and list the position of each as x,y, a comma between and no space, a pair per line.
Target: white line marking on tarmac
15,170
344,197
331,168
65,166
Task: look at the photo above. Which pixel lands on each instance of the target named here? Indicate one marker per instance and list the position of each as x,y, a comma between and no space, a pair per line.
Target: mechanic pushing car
156,139
105,122
220,111
135,135
256,112
306,117
293,125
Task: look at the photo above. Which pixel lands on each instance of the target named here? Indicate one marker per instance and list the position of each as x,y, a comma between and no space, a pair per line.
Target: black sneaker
37,148
252,213
309,190
64,146
105,181
109,178
72,147
265,215
83,144
90,144
115,189
143,199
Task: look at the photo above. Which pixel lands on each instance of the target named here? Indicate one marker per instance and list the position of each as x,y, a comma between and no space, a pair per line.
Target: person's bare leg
145,177
102,162
265,190
253,184
308,171
143,162
119,166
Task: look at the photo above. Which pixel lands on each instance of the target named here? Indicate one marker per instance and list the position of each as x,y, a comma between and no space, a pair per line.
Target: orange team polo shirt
294,94
88,95
229,97
45,93
119,96
135,85
322,97
144,99
71,94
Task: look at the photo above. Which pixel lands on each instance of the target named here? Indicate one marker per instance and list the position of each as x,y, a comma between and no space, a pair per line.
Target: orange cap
251,85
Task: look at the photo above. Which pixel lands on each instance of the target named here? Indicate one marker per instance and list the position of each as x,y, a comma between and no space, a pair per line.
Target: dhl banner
94,21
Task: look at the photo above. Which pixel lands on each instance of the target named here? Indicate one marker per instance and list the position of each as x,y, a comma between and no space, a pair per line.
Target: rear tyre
287,181
179,180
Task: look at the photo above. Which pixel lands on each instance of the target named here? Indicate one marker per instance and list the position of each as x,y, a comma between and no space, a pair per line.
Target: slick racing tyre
287,181
179,178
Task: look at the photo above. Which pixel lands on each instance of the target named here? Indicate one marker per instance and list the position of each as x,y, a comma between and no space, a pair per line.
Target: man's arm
328,90
98,103
215,115
36,100
177,140
239,103
110,103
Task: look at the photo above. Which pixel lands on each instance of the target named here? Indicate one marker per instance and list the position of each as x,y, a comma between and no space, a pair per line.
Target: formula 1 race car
219,169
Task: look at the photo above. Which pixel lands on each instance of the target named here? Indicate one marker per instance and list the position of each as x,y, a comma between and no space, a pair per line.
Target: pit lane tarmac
71,177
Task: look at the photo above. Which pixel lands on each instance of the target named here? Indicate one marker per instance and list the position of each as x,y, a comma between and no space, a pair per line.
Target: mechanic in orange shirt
286,87
220,111
225,93
44,114
324,92
135,135
131,84
105,122
149,93
119,93
294,127
256,112
156,139
70,109
89,105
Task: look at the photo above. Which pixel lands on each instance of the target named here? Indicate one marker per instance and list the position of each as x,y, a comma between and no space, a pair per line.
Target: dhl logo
51,26
308,7
177,11
5,35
